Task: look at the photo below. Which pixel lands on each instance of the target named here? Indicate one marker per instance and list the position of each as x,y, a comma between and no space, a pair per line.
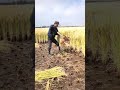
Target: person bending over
52,32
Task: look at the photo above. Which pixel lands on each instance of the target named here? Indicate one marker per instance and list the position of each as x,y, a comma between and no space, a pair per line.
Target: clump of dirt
73,63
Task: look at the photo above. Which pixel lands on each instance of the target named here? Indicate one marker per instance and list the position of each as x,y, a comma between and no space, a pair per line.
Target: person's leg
57,43
49,45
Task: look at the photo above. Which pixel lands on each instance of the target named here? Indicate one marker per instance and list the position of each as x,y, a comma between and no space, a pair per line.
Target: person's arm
60,34
57,33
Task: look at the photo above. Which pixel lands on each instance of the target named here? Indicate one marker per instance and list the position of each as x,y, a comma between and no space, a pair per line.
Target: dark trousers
50,41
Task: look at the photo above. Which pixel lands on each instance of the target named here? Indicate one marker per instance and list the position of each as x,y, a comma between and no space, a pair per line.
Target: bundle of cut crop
65,41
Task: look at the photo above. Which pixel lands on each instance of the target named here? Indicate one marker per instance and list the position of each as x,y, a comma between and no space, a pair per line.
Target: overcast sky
67,12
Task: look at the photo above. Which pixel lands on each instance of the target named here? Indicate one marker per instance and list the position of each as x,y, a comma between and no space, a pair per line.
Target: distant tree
17,2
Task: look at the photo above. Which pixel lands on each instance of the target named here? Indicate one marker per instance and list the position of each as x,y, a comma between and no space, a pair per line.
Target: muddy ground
16,72
81,75
73,64
101,76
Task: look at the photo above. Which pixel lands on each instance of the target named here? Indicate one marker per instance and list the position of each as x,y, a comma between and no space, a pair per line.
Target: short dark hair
56,22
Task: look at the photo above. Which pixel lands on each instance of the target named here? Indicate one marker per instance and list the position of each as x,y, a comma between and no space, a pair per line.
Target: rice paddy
76,35
15,26
103,36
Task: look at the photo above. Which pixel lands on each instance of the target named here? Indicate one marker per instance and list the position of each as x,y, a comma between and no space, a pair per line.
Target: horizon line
58,26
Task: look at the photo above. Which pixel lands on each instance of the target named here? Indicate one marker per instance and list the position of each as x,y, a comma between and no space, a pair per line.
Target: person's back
52,31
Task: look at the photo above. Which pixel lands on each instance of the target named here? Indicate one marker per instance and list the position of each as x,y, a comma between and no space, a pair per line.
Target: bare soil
101,76
16,72
73,64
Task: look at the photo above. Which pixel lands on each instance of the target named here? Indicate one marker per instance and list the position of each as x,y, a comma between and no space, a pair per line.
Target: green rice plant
15,26
103,36
115,46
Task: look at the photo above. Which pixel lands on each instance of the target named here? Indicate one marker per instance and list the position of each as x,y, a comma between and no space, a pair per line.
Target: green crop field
15,22
104,33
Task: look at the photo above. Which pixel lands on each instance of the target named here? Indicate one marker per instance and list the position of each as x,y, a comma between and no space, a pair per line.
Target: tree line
90,1
14,2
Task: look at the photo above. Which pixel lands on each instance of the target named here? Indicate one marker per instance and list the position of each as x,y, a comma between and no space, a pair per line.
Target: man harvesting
53,31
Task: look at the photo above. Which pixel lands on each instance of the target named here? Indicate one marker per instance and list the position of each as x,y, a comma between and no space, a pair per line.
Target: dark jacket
52,32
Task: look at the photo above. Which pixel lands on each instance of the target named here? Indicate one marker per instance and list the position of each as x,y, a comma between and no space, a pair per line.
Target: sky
67,12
